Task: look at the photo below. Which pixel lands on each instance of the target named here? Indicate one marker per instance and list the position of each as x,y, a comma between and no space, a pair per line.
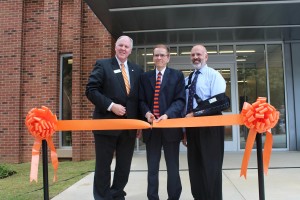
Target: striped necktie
192,92
125,77
156,96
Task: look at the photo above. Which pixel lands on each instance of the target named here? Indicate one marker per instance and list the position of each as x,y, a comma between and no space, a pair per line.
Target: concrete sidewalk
281,183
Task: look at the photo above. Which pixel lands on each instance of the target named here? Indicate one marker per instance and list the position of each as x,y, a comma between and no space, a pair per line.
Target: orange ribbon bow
41,123
259,117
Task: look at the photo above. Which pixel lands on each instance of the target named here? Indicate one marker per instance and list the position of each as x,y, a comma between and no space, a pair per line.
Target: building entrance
250,70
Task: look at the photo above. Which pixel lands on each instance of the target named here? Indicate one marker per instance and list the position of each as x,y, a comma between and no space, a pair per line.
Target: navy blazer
171,99
106,85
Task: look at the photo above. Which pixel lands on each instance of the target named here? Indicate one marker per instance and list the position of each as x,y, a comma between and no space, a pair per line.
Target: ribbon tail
267,150
35,160
54,158
247,153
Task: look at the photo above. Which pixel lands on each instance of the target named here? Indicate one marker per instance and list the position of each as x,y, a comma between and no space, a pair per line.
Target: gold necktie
127,85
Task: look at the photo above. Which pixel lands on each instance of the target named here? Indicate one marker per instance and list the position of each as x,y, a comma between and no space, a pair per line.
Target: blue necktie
192,91
156,96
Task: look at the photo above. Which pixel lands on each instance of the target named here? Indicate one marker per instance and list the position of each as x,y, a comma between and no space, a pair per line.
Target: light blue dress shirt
209,83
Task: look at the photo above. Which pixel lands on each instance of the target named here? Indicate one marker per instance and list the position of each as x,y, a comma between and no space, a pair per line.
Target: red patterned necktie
156,96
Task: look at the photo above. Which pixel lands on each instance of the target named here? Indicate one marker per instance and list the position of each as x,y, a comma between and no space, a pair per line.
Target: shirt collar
119,62
162,71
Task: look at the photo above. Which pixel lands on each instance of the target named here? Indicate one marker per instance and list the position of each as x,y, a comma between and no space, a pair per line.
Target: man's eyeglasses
160,55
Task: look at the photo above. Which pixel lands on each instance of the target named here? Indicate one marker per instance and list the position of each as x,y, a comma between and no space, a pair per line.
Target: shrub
5,172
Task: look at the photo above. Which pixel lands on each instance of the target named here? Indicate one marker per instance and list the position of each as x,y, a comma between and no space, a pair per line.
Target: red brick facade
33,35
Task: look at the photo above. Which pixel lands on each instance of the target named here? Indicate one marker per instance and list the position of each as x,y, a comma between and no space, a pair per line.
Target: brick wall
11,16
67,29
96,43
31,68
77,76
33,36
40,70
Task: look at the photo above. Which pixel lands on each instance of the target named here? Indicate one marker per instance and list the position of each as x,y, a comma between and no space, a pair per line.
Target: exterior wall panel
295,52
35,34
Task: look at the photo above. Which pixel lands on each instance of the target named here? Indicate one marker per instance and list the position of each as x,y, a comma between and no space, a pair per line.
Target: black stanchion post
260,167
45,169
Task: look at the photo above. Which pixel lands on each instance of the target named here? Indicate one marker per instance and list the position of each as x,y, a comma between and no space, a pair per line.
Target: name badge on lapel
117,71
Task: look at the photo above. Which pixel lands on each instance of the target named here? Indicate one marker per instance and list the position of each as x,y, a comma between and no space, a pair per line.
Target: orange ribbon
258,117
41,123
101,124
216,120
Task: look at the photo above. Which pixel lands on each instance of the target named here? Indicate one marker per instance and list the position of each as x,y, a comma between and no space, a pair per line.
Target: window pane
226,74
132,56
252,83
173,51
212,50
66,96
226,49
185,51
149,59
140,57
277,91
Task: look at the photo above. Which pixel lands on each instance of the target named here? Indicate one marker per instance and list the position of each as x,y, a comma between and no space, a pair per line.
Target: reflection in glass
228,133
226,73
251,66
277,98
66,95
252,83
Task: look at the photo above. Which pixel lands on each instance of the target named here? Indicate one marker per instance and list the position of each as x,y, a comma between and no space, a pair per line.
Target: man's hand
139,133
118,109
184,142
191,114
163,117
150,117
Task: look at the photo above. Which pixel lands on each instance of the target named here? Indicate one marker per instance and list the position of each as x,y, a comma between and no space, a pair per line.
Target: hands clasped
150,117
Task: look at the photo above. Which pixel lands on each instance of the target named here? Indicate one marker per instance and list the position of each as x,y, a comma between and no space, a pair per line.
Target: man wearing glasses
162,96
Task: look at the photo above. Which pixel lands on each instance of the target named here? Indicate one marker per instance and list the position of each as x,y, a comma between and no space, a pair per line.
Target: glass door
231,132
228,71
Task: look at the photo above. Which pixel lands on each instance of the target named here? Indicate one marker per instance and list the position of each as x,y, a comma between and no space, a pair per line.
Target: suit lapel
152,78
165,79
116,67
132,75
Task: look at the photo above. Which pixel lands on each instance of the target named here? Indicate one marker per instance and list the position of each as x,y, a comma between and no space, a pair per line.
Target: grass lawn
18,186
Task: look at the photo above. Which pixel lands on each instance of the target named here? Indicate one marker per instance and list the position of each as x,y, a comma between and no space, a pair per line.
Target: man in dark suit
113,89
162,96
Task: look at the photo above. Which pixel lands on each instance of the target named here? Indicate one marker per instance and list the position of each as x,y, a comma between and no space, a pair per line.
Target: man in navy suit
113,89
170,97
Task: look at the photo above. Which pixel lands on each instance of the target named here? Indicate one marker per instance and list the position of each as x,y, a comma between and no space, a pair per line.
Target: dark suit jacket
171,99
106,85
